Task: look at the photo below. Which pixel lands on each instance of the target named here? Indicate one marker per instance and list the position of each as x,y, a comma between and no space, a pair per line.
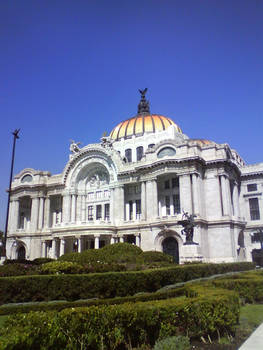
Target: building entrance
170,247
21,253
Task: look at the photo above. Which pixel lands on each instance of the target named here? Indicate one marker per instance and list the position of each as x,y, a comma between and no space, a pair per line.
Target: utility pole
15,133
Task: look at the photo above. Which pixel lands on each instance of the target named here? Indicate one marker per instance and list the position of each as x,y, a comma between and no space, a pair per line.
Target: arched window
139,153
26,178
128,155
167,151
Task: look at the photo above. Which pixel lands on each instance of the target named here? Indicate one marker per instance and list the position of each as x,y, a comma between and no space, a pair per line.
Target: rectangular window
167,205
90,195
139,152
99,194
252,187
167,184
107,212
175,182
176,203
90,212
138,209
254,209
128,155
98,212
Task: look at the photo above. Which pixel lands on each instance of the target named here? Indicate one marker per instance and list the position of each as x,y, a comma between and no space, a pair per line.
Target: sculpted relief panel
97,179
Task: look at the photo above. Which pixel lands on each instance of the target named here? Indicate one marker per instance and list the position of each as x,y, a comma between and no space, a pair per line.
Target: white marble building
133,186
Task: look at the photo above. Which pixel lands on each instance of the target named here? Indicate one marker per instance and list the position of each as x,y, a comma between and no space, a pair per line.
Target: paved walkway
255,341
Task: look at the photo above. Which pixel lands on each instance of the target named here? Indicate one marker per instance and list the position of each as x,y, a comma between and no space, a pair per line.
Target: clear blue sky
71,70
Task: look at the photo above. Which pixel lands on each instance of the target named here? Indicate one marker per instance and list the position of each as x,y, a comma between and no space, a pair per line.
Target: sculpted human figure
188,224
74,146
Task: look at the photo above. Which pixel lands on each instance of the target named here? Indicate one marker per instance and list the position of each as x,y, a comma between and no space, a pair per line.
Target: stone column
225,195
155,198
195,189
83,208
66,209
97,241
151,199
55,246
34,213
185,193
112,205
112,240
121,238
143,201
171,205
80,244
73,208
44,249
10,216
236,201
13,215
119,203
47,213
62,247
137,237
41,213
102,211
127,211
79,206
134,210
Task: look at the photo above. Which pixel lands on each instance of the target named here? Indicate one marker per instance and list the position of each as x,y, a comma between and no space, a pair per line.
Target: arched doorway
170,247
21,253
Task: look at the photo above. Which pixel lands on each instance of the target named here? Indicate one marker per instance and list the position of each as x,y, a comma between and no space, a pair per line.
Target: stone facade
134,188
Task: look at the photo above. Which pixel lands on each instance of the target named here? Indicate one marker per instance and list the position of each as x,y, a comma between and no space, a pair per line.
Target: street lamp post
15,134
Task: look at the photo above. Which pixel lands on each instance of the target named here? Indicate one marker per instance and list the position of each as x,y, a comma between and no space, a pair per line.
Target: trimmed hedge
104,285
9,309
115,326
249,286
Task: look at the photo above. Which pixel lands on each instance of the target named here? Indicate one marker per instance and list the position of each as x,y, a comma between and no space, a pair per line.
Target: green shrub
103,285
112,253
152,256
115,326
63,304
249,286
18,269
40,261
179,342
58,267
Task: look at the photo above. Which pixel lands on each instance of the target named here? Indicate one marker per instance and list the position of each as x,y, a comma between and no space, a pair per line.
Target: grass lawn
251,316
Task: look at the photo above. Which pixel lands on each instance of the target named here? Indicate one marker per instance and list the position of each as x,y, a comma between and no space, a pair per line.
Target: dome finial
143,106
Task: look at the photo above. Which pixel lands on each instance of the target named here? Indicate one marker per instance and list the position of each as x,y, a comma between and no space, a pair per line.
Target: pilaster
34,213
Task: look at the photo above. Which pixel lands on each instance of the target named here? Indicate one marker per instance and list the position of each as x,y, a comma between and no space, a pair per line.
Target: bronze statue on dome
143,106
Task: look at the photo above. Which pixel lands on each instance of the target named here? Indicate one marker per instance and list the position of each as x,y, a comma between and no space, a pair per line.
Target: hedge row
9,309
249,286
104,285
117,326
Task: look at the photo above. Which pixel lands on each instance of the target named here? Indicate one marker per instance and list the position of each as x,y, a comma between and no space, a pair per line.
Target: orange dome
142,124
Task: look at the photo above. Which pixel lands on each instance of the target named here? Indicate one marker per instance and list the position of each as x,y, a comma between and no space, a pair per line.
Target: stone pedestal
190,252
